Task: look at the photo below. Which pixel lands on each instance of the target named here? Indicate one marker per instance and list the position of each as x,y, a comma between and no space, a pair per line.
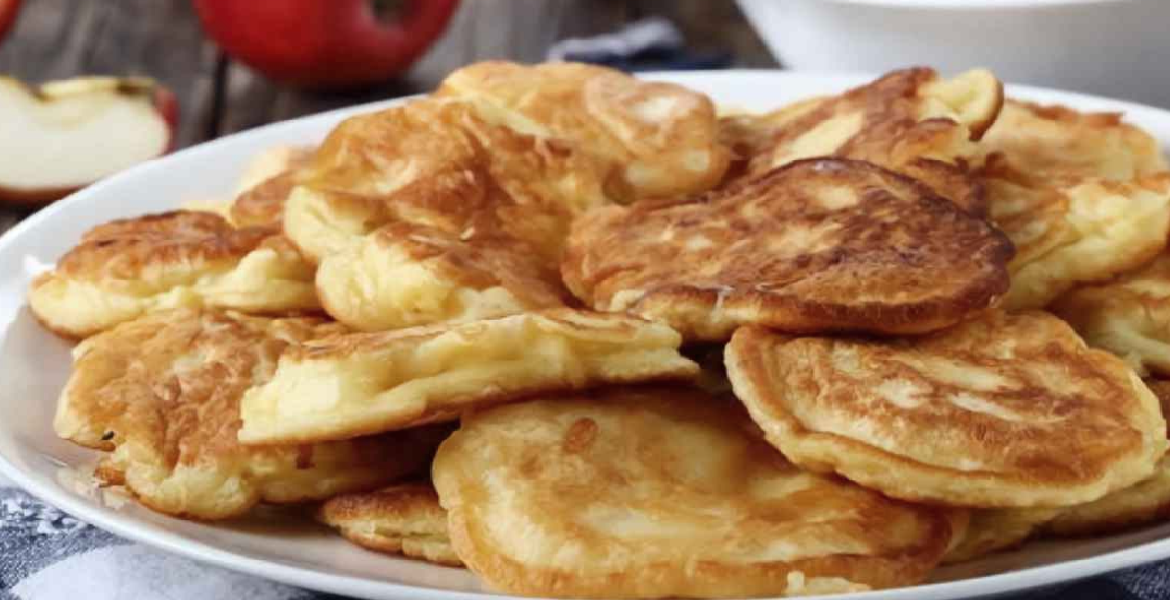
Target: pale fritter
404,275
1084,197
1070,230
1000,411
130,267
1139,504
910,121
471,259
370,382
819,245
660,139
401,163
162,393
401,519
426,214
1129,316
1059,140
661,492
997,529
266,184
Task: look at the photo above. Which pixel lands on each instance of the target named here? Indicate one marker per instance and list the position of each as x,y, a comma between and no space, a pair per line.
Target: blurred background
163,39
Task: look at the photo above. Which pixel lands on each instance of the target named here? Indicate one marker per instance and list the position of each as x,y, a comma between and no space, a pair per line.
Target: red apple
8,11
325,43
64,135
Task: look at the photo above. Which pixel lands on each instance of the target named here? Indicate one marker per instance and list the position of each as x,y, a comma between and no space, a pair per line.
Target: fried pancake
909,121
1057,140
1139,504
404,275
660,139
1071,230
1000,411
403,163
364,383
402,519
162,393
266,184
997,529
471,260
663,492
1129,316
131,267
819,245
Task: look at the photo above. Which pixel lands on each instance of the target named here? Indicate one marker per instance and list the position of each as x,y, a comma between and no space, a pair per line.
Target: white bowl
1118,48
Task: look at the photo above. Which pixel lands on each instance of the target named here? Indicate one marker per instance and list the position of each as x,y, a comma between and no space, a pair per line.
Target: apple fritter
997,529
1001,411
1058,140
1145,502
266,184
819,245
1071,230
401,163
472,259
1128,316
663,492
404,275
910,121
401,519
130,267
364,383
162,393
660,139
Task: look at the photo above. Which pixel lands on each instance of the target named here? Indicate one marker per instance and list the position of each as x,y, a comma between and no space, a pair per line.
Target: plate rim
315,578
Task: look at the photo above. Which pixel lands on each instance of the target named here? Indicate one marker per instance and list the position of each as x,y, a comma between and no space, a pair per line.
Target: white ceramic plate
34,366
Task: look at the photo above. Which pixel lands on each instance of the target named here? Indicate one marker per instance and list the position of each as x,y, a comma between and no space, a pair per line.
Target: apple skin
323,43
164,102
8,11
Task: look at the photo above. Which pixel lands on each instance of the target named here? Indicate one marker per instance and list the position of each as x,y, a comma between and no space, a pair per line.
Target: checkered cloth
46,554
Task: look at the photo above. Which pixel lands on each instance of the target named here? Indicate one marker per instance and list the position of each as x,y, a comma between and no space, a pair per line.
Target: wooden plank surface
55,39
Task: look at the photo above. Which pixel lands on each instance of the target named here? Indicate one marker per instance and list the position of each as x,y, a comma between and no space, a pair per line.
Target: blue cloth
39,544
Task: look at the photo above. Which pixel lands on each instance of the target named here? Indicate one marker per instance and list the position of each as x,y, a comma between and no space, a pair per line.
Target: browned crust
859,282
699,578
399,512
980,127
124,248
1040,467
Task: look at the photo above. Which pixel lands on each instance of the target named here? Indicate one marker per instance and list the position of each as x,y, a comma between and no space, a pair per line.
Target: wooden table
162,39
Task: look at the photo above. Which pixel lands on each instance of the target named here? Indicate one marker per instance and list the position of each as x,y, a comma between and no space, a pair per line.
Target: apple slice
64,135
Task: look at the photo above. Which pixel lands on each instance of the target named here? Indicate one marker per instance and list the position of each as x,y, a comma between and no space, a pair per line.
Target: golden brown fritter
1084,197
657,139
998,529
1071,231
365,383
1139,504
404,274
1057,140
266,186
415,163
909,121
130,267
999,411
663,492
819,245
401,519
1128,316
162,393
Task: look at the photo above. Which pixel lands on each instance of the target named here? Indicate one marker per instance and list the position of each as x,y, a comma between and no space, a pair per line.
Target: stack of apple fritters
463,323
